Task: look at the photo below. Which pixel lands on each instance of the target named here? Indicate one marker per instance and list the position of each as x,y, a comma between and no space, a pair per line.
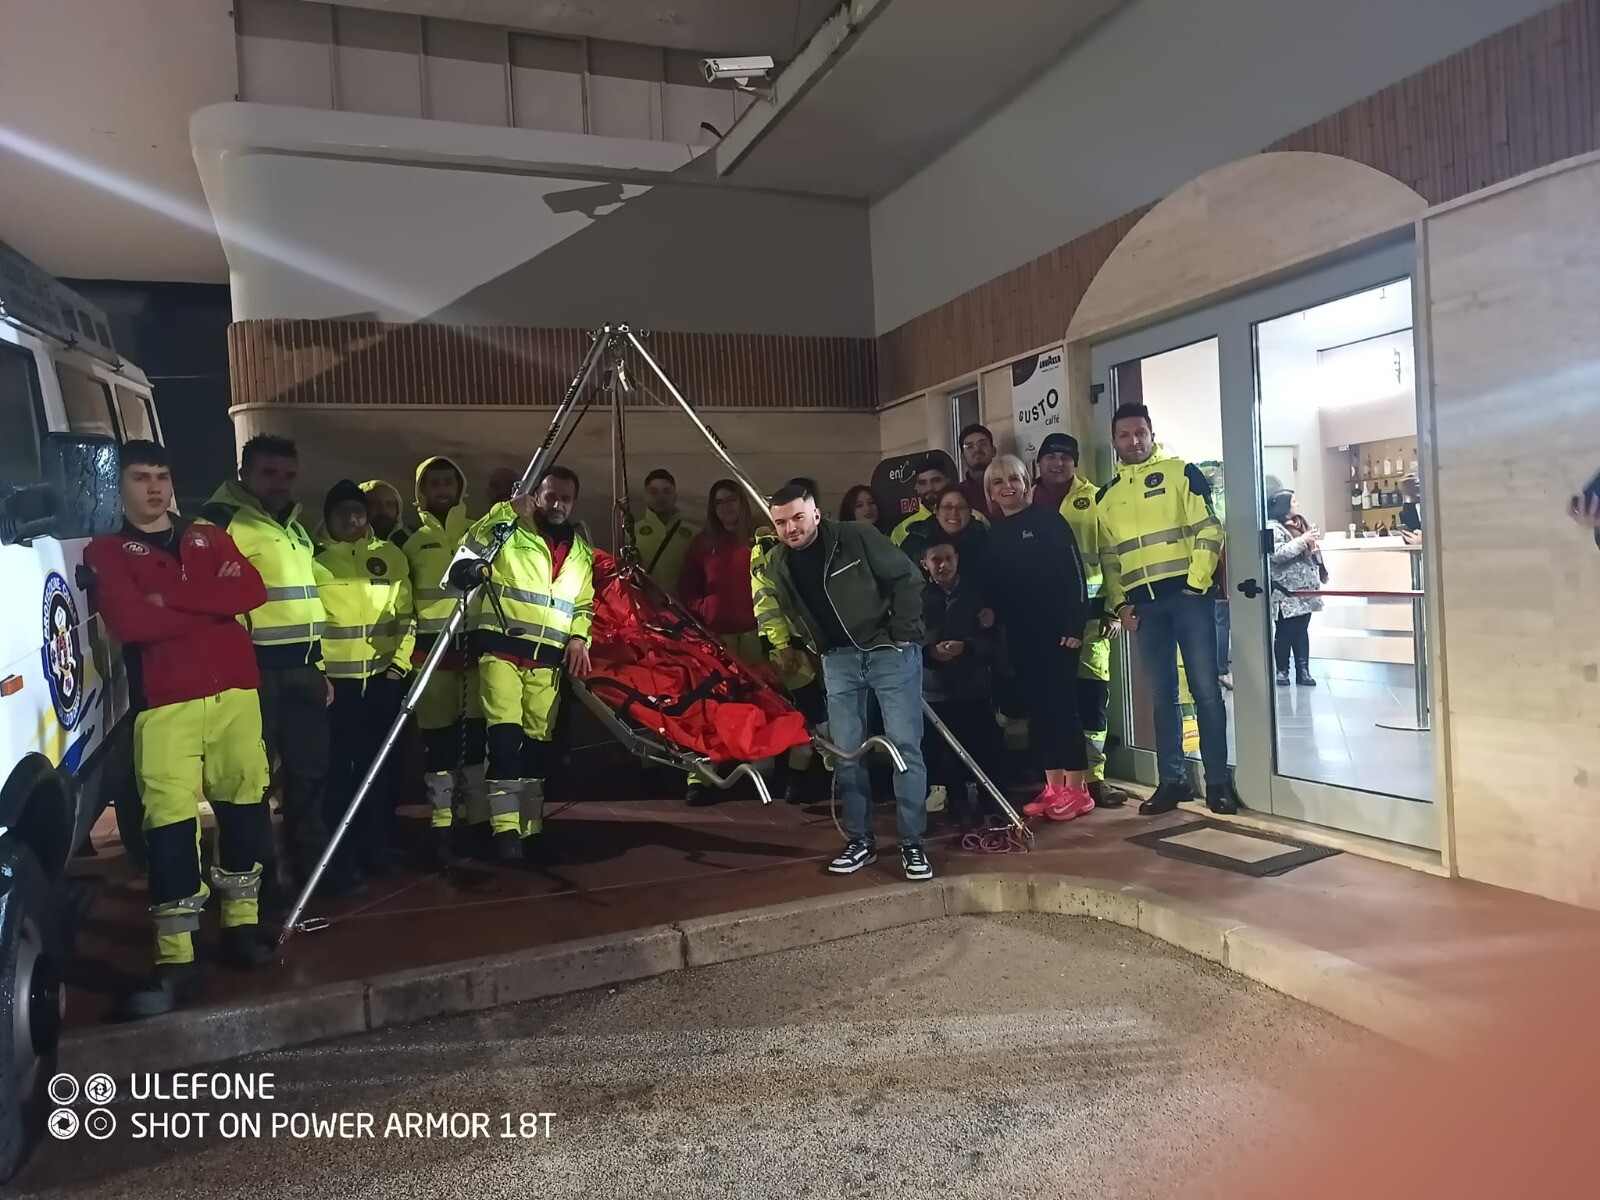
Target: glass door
1298,404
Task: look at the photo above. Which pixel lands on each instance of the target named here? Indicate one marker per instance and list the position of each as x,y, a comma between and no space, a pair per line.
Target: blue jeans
1224,632
1166,626
895,678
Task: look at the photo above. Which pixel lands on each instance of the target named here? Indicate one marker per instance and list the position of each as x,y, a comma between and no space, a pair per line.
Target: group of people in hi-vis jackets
254,643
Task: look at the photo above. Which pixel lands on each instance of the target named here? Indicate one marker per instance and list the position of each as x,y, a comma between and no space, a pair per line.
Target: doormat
1230,848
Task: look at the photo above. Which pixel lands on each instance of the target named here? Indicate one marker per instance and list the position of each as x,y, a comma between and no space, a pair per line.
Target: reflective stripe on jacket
544,613
1157,533
366,593
281,552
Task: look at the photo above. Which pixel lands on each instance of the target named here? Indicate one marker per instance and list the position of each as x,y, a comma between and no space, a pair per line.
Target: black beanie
339,493
1059,443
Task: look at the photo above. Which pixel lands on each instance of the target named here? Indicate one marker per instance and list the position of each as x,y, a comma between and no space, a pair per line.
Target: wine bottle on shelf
1366,498
1366,469
1388,466
1413,459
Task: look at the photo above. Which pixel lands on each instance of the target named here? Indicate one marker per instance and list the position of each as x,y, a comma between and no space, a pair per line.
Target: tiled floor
1333,733
636,862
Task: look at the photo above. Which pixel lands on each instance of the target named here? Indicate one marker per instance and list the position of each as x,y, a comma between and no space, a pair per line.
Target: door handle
1250,588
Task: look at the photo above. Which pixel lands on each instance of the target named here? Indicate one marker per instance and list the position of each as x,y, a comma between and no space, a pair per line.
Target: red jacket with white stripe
175,612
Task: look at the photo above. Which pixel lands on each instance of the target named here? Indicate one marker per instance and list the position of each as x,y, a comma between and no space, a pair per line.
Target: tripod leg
536,466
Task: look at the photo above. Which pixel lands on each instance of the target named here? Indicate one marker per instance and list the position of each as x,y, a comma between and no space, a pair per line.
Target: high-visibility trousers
179,750
450,715
519,705
1094,700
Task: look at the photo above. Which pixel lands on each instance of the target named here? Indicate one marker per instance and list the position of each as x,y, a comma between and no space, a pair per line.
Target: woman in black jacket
1034,580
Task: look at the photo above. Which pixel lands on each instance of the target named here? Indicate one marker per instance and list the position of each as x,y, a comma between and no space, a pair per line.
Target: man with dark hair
542,584
258,511
857,602
977,448
172,593
662,535
930,479
1160,544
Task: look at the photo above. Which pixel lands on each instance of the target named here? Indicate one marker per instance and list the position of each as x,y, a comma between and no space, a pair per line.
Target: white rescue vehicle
67,399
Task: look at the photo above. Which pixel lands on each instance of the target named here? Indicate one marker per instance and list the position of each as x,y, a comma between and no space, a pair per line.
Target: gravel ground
1016,1056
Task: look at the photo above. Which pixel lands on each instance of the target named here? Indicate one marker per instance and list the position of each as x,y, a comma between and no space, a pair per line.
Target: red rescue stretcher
669,690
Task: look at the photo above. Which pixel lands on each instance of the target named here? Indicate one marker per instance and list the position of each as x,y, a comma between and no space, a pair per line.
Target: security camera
740,70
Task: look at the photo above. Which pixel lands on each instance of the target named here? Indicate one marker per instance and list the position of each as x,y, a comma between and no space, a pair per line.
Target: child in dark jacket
957,680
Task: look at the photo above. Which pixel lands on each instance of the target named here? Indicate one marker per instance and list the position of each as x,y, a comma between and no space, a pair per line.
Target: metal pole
536,465
733,467
717,445
1419,652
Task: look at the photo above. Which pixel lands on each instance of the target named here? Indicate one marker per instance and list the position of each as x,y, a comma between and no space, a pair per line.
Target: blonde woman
1034,580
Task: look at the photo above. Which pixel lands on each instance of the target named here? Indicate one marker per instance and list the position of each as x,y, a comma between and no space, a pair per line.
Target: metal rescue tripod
609,344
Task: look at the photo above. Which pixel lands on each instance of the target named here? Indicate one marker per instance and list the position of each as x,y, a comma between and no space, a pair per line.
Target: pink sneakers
1068,804
1041,803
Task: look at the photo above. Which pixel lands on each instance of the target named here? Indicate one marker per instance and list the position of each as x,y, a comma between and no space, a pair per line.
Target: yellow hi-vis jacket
545,613
1158,535
662,545
429,549
282,552
773,625
1081,512
366,592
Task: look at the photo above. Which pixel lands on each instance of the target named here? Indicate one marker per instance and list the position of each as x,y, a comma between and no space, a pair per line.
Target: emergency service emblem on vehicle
133,547
63,653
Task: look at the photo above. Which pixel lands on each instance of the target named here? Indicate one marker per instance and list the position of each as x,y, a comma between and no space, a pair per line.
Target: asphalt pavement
1013,1056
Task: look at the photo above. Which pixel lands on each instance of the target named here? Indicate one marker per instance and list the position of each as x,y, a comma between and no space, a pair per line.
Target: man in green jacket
857,601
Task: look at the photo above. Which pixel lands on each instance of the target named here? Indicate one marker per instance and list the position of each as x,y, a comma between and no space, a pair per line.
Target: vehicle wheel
32,1001
130,824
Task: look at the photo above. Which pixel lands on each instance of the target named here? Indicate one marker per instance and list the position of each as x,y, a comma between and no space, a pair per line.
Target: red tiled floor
631,863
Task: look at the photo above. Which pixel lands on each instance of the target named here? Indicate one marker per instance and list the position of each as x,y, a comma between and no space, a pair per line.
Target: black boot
243,948
1303,678
1165,798
541,850
170,985
1106,796
507,848
1282,678
1222,799
698,795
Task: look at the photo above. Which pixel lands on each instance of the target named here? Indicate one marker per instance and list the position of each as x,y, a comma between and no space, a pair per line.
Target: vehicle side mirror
79,495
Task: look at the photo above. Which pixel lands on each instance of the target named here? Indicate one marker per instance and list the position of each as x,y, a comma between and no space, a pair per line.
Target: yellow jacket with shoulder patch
1157,534
366,592
662,545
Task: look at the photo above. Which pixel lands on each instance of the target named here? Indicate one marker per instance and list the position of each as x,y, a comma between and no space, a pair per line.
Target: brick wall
1527,97
364,362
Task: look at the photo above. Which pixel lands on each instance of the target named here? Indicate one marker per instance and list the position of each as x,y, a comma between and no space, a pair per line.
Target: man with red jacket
171,593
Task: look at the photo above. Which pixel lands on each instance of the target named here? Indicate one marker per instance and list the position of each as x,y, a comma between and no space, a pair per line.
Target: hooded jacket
430,546
399,533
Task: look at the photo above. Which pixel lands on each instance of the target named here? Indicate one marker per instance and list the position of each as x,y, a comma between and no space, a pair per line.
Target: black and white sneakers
857,853
914,859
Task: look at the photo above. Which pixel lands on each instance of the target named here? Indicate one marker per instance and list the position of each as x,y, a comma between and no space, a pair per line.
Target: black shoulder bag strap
666,538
